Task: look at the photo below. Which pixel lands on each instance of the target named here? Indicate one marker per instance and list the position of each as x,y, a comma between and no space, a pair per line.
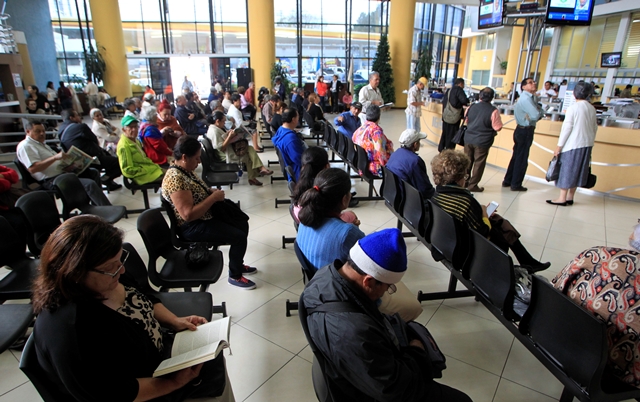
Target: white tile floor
271,360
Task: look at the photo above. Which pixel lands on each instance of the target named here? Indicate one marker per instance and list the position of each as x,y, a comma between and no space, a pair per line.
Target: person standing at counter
454,99
575,143
414,104
527,114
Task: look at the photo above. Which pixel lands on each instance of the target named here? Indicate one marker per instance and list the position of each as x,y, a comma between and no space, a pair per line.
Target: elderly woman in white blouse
108,135
575,143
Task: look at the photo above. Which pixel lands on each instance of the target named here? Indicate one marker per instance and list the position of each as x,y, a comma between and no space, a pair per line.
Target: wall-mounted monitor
569,12
490,14
611,60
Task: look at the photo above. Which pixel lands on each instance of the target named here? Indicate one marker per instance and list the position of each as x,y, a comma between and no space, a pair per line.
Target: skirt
574,168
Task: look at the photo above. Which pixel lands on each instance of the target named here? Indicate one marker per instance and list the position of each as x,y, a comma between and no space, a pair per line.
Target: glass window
130,11
150,10
439,20
333,11
284,11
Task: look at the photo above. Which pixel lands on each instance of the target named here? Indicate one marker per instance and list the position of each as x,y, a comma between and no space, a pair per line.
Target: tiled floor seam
270,377
270,341
13,389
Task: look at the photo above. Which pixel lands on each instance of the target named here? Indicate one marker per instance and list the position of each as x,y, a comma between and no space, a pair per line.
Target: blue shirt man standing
348,122
527,113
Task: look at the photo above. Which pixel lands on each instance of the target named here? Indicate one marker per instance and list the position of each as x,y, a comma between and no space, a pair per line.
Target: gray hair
149,113
129,102
373,74
583,90
634,240
29,123
93,112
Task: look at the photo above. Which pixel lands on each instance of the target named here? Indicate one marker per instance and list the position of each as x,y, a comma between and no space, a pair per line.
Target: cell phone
491,208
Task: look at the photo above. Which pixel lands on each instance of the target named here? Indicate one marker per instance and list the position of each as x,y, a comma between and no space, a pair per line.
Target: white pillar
553,51
501,45
623,28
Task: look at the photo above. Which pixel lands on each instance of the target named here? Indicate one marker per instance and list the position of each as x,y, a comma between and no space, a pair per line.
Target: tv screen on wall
490,14
611,60
569,12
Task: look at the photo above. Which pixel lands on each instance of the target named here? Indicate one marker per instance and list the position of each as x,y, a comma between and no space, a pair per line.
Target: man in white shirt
370,95
187,86
236,114
43,163
547,91
91,90
414,104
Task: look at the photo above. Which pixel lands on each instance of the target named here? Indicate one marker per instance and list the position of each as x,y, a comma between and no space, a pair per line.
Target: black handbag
553,172
459,137
591,180
197,254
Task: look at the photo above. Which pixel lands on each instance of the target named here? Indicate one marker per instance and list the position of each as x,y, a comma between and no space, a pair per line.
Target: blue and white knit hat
382,255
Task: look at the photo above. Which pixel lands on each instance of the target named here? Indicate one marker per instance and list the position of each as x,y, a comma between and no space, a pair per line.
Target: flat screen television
569,12
611,60
490,14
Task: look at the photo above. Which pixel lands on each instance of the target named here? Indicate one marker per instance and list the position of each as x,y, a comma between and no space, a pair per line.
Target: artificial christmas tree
382,64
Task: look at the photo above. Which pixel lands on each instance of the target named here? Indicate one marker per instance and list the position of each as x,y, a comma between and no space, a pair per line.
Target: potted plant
503,66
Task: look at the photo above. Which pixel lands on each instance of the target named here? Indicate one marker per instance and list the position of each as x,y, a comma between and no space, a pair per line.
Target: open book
195,347
76,161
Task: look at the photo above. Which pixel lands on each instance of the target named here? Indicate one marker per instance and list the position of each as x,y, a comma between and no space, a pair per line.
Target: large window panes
334,34
438,30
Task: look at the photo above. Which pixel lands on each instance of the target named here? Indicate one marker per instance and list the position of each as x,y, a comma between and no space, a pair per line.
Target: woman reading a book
97,337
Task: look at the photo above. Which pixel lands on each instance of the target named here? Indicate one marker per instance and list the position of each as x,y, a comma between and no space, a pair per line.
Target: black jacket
458,97
364,363
80,135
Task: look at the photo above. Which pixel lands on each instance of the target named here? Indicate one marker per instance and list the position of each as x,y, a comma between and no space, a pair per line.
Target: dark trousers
249,109
335,104
522,140
448,132
216,231
110,165
444,393
478,156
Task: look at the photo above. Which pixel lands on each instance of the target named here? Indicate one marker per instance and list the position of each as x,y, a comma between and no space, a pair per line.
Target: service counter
615,157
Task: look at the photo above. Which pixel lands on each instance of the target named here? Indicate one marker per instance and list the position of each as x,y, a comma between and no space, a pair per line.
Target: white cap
409,136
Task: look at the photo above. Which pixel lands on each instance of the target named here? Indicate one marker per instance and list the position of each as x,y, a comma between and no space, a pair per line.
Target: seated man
44,163
269,107
409,166
73,132
365,359
287,141
371,137
187,119
236,114
349,122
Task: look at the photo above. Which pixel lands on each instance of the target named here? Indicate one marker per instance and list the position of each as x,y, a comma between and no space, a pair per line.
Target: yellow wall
262,40
400,44
464,63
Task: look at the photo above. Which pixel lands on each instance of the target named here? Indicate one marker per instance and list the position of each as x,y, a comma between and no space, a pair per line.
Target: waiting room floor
271,360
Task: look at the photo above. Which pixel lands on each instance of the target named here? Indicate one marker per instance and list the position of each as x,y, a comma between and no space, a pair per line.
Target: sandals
267,172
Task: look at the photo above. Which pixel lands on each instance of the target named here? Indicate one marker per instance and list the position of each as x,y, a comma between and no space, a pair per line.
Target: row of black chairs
216,172
568,340
354,156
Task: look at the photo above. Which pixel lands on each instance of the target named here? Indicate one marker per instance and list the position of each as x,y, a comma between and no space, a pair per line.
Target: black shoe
562,204
112,186
537,267
353,203
569,202
520,188
505,184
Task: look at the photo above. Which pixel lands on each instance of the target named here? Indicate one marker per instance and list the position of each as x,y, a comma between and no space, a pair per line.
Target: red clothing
10,177
172,122
249,96
154,146
322,88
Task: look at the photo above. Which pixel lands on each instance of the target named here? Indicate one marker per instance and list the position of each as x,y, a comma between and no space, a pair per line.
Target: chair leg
221,309
145,196
287,240
289,305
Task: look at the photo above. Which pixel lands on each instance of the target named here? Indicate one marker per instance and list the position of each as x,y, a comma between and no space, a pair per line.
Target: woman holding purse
575,144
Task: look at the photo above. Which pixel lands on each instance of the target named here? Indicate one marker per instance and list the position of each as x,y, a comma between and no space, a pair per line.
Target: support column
607,90
512,59
262,40
401,17
107,29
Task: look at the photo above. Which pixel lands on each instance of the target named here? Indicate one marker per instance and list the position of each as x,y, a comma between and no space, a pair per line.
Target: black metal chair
181,304
27,179
415,212
74,196
31,367
285,175
175,272
491,272
362,162
143,188
17,284
42,217
572,344
14,321
311,123
215,178
308,271
215,163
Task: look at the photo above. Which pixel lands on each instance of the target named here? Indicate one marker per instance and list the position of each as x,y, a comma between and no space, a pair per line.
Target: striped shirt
462,206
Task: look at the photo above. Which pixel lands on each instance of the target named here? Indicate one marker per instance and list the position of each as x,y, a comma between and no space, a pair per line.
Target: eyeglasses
392,289
125,255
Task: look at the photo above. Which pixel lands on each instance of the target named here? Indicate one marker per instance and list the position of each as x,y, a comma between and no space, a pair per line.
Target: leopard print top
140,310
178,179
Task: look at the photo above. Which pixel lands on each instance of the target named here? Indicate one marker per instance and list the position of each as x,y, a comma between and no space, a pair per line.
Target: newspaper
75,161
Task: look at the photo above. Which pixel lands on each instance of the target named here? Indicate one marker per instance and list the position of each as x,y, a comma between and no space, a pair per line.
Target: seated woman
316,112
371,137
315,160
450,174
323,236
108,135
152,138
168,125
276,120
97,337
203,214
223,141
603,280
134,163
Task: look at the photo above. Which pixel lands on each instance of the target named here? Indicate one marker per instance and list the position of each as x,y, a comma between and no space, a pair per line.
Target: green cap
127,120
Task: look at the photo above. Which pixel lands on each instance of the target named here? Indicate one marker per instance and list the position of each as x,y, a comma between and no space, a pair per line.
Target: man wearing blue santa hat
364,359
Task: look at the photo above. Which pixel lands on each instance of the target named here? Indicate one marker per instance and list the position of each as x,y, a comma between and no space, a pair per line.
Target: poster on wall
17,81
569,100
